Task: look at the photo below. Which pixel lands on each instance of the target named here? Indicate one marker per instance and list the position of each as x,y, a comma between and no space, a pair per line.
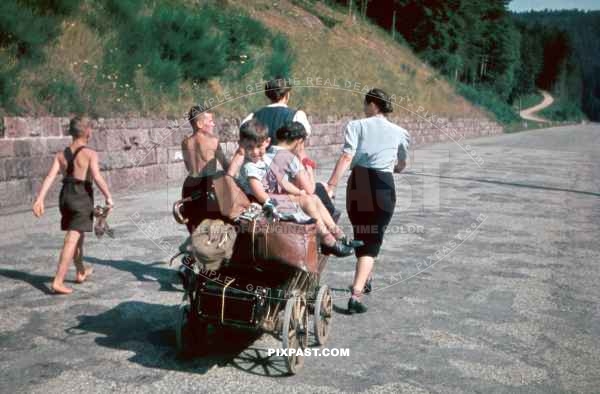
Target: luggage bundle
293,244
212,242
244,234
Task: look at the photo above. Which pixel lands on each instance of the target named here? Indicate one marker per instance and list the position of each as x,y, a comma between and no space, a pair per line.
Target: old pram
271,282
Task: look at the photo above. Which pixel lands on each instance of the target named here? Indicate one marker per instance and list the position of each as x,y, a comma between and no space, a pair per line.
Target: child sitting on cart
267,179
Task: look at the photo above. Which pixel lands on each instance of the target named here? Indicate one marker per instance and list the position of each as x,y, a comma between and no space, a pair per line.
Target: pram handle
177,210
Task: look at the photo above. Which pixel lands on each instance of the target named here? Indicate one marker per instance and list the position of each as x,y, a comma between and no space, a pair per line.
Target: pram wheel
323,309
295,332
190,332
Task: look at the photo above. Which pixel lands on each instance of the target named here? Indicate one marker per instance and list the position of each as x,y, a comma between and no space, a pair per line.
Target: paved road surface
512,308
529,113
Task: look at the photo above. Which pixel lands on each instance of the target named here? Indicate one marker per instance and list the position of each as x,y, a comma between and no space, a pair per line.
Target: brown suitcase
231,198
288,243
218,197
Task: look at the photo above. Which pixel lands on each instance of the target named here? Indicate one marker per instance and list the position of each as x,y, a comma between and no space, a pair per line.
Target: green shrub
243,34
282,58
185,45
176,43
26,27
123,10
528,100
23,32
56,7
8,89
61,97
563,111
118,12
489,101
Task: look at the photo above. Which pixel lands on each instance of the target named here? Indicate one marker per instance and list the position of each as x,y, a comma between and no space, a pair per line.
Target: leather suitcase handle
177,210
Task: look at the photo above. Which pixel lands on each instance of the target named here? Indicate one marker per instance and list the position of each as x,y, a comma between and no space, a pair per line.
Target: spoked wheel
190,333
295,332
323,314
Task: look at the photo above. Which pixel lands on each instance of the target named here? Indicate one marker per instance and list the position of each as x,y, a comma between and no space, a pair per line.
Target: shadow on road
148,331
256,361
40,282
144,272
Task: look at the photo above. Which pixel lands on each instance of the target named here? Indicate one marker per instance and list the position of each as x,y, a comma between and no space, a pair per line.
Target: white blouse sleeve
351,137
403,146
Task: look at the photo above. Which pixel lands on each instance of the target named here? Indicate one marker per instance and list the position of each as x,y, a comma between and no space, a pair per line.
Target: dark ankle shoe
354,243
368,287
355,306
339,249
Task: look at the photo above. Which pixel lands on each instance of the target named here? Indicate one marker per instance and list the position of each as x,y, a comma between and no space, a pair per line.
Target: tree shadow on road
148,331
40,282
144,272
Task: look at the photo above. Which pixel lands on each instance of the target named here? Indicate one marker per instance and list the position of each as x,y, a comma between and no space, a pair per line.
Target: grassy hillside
356,52
97,64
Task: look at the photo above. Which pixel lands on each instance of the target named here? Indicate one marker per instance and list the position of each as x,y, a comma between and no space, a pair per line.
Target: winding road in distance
529,113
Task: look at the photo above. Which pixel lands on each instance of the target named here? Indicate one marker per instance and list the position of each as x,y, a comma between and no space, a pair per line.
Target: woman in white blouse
374,148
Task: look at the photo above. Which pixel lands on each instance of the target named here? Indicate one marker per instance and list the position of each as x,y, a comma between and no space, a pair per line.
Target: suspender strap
70,158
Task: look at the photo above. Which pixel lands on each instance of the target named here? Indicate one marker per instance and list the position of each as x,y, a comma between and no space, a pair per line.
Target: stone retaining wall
145,152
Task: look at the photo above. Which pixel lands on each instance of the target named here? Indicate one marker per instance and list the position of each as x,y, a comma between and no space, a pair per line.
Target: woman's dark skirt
370,203
76,204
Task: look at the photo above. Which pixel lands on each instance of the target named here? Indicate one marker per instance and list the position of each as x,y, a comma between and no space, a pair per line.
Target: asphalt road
488,283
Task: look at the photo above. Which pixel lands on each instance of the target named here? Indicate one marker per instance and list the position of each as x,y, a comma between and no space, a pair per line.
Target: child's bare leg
66,255
82,271
308,204
78,258
327,219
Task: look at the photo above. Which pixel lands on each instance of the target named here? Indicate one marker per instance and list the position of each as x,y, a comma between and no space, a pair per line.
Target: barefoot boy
79,165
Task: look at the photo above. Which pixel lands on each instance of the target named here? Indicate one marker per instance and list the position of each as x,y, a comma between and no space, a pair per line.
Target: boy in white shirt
267,178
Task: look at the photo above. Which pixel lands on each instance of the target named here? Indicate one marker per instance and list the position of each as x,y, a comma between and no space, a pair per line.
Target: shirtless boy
79,166
201,152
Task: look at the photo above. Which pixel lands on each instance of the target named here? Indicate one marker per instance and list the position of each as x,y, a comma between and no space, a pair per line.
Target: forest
495,56
578,78
149,56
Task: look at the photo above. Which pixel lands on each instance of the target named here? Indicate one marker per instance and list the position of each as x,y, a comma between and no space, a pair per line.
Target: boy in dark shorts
201,155
79,165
